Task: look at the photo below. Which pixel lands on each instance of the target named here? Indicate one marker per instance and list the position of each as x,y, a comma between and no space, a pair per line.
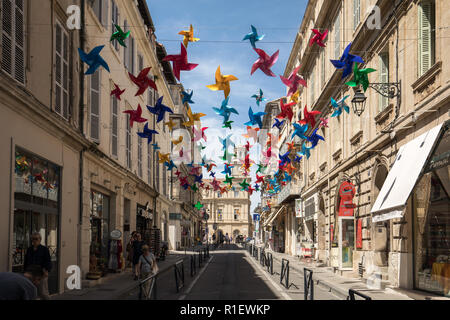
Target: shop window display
432,224
99,234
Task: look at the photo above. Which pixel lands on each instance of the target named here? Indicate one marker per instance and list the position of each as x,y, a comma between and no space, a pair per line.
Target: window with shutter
97,7
114,22
149,164
132,54
114,125
356,13
156,182
384,78
337,36
13,39
105,13
61,71
140,63
126,49
95,106
427,36
139,156
128,142
164,178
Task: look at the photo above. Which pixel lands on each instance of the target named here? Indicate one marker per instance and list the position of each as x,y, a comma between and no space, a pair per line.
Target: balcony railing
291,190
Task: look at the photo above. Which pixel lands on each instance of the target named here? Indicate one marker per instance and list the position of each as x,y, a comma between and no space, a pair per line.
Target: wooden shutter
149,164
139,161
105,13
95,106
322,67
125,49
61,71
356,13
426,36
140,63
114,21
384,78
114,125
97,7
13,39
132,54
128,141
337,37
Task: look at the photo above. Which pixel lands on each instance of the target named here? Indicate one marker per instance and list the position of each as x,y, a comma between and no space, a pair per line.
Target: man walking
39,255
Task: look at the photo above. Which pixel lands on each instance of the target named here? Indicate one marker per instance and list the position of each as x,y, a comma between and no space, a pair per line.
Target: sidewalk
116,285
339,285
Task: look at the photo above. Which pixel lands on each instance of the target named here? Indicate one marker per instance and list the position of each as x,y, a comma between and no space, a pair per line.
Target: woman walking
147,265
137,252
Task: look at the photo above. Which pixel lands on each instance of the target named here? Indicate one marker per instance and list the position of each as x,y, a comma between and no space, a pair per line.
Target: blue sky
217,23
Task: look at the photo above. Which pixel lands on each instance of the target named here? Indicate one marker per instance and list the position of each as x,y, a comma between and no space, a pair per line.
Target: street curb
323,283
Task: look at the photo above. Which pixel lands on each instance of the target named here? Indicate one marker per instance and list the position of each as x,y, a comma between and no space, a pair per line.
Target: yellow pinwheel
295,96
164,157
177,141
222,82
170,124
193,117
188,36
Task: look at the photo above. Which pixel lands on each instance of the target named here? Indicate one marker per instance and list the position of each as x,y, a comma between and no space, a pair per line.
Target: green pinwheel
261,168
229,180
198,205
224,158
195,189
228,124
360,77
120,36
244,185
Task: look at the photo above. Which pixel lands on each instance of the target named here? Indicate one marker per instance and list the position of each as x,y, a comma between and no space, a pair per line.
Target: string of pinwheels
348,62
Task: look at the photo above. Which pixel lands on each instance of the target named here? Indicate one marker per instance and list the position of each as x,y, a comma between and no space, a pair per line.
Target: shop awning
410,160
269,221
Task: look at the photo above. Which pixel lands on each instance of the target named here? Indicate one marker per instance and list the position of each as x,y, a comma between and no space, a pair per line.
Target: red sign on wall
346,191
359,234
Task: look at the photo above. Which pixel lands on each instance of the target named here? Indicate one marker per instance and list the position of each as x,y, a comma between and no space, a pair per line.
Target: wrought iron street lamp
389,90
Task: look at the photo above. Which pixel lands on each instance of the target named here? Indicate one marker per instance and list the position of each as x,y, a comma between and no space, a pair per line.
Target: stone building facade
359,151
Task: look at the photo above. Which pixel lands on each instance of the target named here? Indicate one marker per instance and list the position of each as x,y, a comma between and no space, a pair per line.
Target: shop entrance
346,242
98,262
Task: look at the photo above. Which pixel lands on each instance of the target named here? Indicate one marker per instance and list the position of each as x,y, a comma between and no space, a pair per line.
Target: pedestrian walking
16,286
129,249
39,255
147,265
227,239
137,252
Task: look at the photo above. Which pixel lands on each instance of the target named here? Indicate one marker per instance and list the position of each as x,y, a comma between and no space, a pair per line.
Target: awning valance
269,221
409,163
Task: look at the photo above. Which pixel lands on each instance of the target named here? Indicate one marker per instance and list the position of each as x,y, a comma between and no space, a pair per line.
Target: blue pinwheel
198,178
225,111
284,158
155,146
212,174
305,151
93,59
255,118
298,158
226,142
159,109
227,169
170,165
314,139
253,37
299,131
187,97
346,62
147,133
259,98
278,123
339,106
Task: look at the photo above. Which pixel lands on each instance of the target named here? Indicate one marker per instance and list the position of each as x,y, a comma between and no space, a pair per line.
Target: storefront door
99,232
346,242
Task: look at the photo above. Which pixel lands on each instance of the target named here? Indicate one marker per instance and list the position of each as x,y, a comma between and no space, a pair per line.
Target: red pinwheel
180,62
293,82
117,92
259,179
265,62
250,190
286,110
135,115
318,38
143,81
309,117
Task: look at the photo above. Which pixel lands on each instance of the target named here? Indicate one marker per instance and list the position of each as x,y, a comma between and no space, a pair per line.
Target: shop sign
346,191
116,234
128,188
359,234
175,216
256,217
298,208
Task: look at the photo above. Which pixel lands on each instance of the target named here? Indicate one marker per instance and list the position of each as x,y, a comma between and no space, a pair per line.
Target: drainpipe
81,124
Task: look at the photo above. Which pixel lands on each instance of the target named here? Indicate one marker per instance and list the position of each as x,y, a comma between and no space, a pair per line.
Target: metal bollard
308,284
284,274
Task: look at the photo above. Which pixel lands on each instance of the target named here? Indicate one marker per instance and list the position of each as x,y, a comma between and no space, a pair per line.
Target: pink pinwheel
143,81
318,38
265,62
324,122
199,134
180,62
135,115
117,92
251,133
293,82
195,171
184,156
